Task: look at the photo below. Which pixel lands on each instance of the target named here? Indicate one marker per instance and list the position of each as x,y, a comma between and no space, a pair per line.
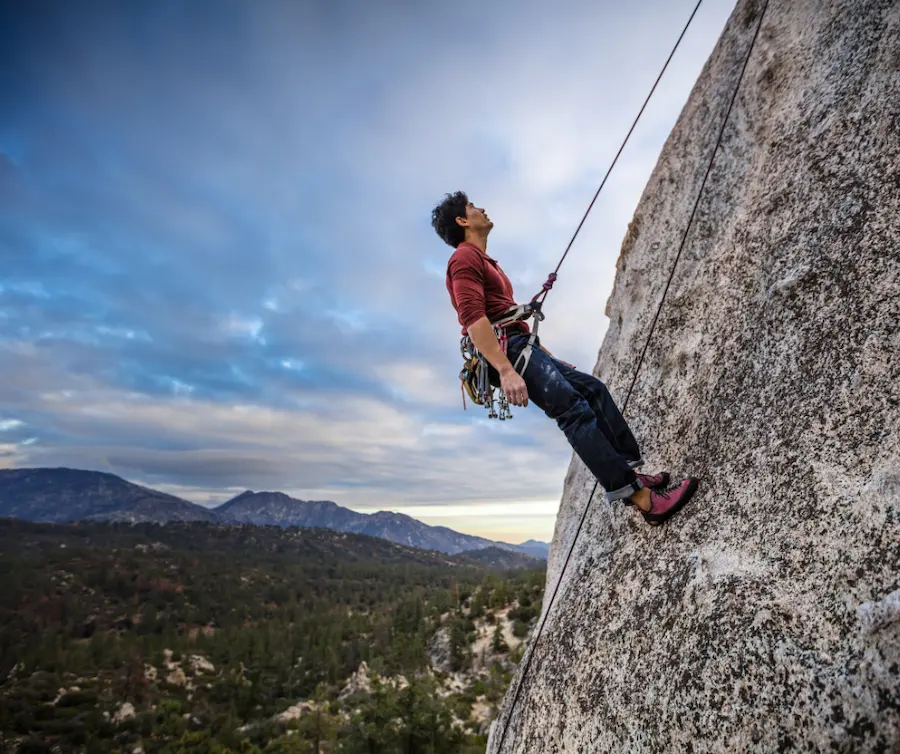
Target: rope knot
545,288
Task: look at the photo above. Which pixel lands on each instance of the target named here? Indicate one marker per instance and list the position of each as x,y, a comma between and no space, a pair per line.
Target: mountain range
60,495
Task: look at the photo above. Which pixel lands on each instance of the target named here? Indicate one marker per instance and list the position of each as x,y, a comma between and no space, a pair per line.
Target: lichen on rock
765,616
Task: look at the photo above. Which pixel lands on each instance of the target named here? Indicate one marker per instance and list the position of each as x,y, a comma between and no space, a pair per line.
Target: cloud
217,265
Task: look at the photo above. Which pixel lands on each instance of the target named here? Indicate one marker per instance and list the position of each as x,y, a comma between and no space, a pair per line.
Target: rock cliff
766,616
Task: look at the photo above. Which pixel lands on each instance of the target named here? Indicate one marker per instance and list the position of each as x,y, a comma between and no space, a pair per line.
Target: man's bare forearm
482,334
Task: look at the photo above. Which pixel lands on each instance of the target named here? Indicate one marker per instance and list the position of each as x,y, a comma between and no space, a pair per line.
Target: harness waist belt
517,314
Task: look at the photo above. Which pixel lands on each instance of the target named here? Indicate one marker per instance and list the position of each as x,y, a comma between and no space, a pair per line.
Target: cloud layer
216,265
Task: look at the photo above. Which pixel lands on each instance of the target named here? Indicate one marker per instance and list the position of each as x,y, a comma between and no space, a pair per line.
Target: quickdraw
475,374
475,377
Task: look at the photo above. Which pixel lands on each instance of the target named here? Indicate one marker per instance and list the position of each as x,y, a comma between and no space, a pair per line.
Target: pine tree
498,643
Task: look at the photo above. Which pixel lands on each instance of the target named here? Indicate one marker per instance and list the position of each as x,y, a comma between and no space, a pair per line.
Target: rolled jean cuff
623,492
636,464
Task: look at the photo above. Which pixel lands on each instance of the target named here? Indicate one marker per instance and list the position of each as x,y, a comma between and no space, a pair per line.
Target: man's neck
478,241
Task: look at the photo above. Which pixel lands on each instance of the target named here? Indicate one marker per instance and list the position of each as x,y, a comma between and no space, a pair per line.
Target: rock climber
580,403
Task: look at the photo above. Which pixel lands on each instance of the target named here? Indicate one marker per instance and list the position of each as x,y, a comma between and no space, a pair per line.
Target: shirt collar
473,246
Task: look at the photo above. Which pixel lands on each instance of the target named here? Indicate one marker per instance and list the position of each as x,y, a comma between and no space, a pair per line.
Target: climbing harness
526,662
475,374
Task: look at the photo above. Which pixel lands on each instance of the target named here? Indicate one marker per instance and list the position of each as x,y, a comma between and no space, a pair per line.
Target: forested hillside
207,638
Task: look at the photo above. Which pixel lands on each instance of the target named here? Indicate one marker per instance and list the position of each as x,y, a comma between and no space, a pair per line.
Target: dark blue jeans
588,416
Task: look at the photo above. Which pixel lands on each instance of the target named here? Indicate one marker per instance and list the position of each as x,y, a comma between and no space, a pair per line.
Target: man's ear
461,221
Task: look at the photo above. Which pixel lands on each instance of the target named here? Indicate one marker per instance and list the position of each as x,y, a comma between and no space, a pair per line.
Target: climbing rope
538,299
551,279
534,306
527,661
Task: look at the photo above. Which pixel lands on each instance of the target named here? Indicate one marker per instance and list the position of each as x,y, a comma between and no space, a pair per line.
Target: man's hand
514,387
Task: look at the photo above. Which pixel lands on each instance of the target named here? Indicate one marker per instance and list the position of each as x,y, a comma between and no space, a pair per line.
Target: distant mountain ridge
535,548
278,509
60,495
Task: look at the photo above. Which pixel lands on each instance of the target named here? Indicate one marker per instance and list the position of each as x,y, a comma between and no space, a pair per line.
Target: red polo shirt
478,287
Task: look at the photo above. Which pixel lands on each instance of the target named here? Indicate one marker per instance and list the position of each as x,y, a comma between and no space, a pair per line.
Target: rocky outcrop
358,683
440,655
362,681
123,713
765,616
296,711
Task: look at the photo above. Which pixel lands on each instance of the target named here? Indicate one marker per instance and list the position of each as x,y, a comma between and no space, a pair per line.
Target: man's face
476,219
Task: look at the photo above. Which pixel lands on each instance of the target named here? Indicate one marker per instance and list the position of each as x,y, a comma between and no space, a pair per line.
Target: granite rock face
765,616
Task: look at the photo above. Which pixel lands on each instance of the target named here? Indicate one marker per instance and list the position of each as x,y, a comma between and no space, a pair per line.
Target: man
580,403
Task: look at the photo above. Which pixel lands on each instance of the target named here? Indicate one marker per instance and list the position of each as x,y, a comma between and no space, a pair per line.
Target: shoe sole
685,498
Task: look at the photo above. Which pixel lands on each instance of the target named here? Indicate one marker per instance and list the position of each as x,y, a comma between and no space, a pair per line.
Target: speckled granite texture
766,616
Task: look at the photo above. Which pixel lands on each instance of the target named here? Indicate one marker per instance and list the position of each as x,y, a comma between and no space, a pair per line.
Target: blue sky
217,270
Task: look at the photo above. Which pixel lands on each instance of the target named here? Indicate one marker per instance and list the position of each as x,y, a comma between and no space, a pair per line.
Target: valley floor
198,638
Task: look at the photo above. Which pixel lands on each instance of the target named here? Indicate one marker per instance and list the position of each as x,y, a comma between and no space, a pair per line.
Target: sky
217,268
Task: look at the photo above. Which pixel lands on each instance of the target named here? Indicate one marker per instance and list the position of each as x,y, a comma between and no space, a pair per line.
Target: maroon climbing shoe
654,481
668,503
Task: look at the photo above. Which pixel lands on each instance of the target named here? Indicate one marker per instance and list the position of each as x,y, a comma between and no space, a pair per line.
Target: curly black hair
443,218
